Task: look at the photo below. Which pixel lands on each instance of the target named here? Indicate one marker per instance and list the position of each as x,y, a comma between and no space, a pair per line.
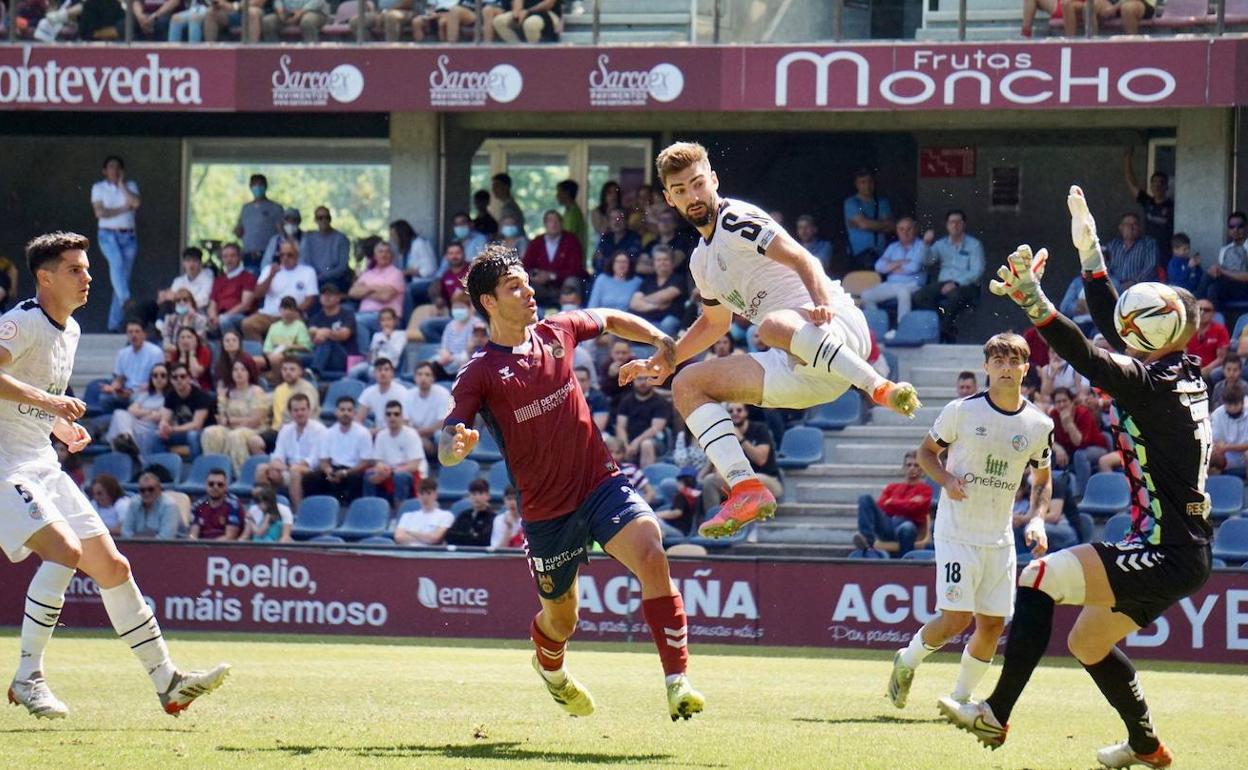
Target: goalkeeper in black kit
1162,428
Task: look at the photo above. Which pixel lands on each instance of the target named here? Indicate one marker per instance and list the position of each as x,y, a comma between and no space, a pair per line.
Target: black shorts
558,547
1147,580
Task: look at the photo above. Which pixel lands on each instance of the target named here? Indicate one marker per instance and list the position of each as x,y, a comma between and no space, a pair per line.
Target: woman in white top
114,200
242,411
135,430
109,501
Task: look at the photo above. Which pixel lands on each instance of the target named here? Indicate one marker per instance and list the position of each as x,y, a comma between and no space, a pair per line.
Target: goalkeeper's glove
1019,279
1083,233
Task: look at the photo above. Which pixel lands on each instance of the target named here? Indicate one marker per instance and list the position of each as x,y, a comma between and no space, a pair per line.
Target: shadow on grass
91,730
878,719
507,750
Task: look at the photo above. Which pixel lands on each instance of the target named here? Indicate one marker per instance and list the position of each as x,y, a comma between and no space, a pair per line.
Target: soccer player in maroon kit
571,492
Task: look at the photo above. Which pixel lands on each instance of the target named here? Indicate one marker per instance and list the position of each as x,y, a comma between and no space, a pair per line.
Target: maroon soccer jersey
531,402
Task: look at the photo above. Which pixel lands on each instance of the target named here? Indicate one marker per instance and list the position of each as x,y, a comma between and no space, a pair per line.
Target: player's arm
793,255
713,323
12,389
1041,495
929,461
635,329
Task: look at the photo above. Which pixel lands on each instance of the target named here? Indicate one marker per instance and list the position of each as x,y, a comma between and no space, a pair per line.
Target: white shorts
790,385
31,499
973,578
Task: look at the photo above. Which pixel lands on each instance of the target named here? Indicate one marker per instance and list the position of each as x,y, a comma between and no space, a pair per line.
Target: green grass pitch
337,702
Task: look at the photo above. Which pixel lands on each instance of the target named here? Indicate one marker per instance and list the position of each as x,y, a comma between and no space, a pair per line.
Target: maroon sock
670,628
549,652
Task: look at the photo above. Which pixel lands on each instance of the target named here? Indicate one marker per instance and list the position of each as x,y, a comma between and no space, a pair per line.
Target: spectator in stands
456,337
427,406
389,18
288,336
1131,258
1232,375
609,199
461,13
456,270
484,222
224,14
133,430
504,205
190,351
412,250
1211,340
152,18
760,449
380,286
188,410
190,21
185,314
287,278
297,451
868,222
631,473
615,289
661,297
399,454
387,343
599,405
967,384
573,218
332,332
1060,374
808,235
1156,203
1060,532
373,399
617,238
308,15
131,367
511,234
1078,442
1069,11
1230,274
898,522
553,258
109,501
258,221
539,20
641,417
507,531
345,455
152,514
1230,434
902,267
292,382
609,377
428,524
470,240
218,515
267,519
193,278
233,292
1184,268
326,250
475,525
687,505
672,236
114,200
242,411
956,288
231,351
290,232
1130,11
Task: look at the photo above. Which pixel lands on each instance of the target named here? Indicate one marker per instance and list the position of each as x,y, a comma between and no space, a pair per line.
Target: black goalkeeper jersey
1161,418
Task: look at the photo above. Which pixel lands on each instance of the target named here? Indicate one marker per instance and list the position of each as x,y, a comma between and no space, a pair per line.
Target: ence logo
465,601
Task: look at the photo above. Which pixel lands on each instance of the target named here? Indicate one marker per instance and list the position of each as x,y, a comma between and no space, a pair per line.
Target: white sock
136,625
969,675
558,677
826,353
917,650
44,599
712,427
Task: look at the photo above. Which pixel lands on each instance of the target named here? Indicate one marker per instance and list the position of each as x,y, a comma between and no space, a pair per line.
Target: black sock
1116,678
1029,636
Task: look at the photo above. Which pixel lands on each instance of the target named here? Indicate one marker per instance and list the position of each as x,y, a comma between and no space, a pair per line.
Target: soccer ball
1149,316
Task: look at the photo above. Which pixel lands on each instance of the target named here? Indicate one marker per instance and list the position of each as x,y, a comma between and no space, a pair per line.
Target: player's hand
74,436
955,487
463,441
821,314
655,366
1019,279
1035,536
67,408
1083,232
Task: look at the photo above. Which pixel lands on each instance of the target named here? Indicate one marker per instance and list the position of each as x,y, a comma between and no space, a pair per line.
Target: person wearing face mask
511,234
455,338
463,232
194,278
185,315
258,221
290,230
553,258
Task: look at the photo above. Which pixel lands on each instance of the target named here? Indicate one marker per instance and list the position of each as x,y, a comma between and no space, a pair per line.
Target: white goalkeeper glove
1083,232
1019,279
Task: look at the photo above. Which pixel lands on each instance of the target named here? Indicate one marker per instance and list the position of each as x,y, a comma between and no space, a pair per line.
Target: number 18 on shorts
972,578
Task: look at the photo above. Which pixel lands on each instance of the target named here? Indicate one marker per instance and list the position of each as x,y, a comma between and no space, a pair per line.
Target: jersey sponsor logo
546,404
996,467
552,563
981,431
1019,442
506,373
26,410
8,330
748,311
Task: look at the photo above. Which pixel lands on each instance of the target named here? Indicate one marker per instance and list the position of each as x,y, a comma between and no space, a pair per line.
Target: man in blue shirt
1131,258
956,288
132,367
868,221
902,267
808,236
327,251
617,238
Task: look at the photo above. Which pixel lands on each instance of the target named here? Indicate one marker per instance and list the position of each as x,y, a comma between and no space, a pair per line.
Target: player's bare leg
58,547
930,638
824,352
639,547
553,625
699,393
136,625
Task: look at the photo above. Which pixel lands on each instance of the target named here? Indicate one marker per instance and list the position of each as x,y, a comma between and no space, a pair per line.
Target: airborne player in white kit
42,510
991,439
747,264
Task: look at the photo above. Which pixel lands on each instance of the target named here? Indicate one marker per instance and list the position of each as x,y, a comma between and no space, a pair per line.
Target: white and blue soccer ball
1150,316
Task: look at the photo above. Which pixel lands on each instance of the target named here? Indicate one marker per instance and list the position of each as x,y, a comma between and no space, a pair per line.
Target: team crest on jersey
981,431
546,583
953,593
506,373
8,330
1019,442
555,349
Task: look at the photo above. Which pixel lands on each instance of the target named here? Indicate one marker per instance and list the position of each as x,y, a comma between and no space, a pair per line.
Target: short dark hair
1163,176
178,368
495,261
967,375
459,214
478,485
509,490
1234,394
1241,216
1181,238
424,365
480,195
381,361
428,485
110,158
1232,358
958,212
387,311
299,397
1063,389
569,186
261,178
394,404
217,472
50,247
347,399
231,245
135,322
503,177
193,252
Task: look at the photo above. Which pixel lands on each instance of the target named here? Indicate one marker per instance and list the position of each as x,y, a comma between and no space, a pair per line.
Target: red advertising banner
731,601
384,78
944,162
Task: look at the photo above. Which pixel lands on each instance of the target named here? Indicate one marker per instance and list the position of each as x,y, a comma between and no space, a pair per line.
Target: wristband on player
1092,262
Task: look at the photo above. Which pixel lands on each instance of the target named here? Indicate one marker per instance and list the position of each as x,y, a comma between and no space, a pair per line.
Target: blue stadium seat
460,506
1226,492
328,540
1116,528
838,414
377,540
498,480
317,515
337,389
866,553
1086,528
1217,563
658,472
1230,542
1240,325
412,504
916,328
920,554
486,450
801,447
453,480
92,395
877,321
1106,494
170,461
198,474
253,348
422,351
366,517
116,464
664,493
242,486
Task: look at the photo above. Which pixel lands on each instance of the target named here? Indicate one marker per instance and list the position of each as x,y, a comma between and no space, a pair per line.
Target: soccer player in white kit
991,437
818,339
42,510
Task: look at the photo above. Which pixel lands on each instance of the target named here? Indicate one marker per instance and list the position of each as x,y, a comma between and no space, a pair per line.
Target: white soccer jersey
43,356
733,268
989,448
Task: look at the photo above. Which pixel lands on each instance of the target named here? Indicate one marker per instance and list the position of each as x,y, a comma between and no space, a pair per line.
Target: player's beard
705,219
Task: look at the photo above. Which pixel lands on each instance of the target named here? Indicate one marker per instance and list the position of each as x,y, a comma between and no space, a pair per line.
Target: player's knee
1059,575
990,624
686,390
1085,647
564,624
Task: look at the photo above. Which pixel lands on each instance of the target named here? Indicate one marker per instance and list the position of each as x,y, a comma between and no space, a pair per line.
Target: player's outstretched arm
710,326
1098,289
12,389
455,443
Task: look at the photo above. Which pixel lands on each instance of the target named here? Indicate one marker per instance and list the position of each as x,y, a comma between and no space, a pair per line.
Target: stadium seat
657,473
1216,563
198,474
377,540
421,351
453,480
841,413
338,389
328,540
116,464
486,450
877,321
866,553
916,328
664,493
1087,528
247,476
1106,494
412,504
317,515
366,517
1230,542
92,395
800,448
253,348
920,554
460,506
1226,493
498,480
1116,528
1242,323
171,462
